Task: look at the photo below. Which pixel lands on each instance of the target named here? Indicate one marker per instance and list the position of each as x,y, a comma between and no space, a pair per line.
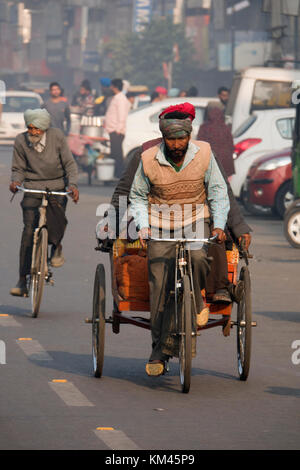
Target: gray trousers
161,265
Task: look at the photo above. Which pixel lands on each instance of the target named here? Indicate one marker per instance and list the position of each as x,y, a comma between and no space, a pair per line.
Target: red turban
186,108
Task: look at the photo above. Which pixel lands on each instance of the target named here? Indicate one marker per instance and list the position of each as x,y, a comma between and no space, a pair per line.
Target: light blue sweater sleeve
139,198
217,194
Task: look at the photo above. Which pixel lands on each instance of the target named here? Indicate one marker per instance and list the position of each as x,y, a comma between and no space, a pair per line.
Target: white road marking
115,439
33,350
8,320
69,393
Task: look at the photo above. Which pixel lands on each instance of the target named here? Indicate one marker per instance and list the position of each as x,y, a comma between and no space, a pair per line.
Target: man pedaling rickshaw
177,170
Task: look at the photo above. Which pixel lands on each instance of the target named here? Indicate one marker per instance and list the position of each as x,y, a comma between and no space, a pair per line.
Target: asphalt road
49,398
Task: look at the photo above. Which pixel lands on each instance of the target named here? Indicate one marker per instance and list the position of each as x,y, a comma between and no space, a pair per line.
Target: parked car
257,89
12,118
142,123
263,132
269,183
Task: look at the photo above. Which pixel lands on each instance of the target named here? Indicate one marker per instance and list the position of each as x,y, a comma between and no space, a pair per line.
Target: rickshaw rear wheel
98,321
244,326
185,342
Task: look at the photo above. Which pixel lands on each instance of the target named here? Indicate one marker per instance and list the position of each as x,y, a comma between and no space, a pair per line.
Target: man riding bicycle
178,172
42,161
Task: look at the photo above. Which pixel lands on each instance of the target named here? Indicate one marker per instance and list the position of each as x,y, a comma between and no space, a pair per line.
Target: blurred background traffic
242,56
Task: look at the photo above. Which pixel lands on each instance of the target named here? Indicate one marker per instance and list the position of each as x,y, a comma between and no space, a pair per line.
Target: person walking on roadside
218,135
115,124
58,108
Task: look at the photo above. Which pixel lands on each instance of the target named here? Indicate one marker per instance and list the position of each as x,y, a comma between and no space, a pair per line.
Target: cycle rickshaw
135,301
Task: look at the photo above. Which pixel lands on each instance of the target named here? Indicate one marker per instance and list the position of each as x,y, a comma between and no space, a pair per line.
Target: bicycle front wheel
185,345
38,271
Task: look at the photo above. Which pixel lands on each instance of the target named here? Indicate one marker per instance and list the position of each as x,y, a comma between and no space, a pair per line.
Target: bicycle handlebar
38,191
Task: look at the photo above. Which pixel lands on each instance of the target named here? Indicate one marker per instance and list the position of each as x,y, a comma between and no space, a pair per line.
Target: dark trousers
116,152
218,276
161,262
30,206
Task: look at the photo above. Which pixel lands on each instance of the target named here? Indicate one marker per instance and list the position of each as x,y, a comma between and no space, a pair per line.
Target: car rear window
286,127
270,94
19,104
245,126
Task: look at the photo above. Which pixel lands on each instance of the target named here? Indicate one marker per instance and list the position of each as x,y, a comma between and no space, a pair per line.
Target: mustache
34,139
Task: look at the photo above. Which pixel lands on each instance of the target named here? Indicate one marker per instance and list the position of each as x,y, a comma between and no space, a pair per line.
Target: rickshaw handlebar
187,240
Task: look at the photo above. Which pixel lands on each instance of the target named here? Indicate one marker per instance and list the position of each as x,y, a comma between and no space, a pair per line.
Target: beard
34,139
176,155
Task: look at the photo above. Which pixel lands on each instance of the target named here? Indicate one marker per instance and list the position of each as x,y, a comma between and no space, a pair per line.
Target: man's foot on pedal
57,259
20,290
222,296
155,368
202,317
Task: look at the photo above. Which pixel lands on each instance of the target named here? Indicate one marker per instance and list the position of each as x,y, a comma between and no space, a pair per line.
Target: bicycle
185,315
40,271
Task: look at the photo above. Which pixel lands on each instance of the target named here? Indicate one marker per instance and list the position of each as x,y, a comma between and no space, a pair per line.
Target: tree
139,57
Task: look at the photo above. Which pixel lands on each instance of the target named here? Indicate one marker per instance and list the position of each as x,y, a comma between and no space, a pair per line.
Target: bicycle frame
42,219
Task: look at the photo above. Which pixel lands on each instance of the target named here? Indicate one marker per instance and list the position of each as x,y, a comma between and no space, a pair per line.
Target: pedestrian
84,99
223,94
41,160
105,96
192,91
115,124
154,97
58,108
162,92
218,135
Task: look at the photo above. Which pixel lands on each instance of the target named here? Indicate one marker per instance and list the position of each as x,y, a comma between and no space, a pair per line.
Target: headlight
274,163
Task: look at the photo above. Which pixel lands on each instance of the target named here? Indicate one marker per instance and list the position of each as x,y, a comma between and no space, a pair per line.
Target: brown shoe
57,259
202,317
20,290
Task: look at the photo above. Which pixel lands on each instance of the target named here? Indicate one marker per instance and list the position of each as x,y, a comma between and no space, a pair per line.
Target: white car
12,117
263,132
142,123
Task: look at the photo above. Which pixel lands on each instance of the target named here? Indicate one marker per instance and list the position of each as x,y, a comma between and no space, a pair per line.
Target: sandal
155,368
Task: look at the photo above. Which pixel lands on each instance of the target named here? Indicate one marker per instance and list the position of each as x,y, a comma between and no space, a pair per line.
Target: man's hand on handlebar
13,186
144,234
74,193
245,241
220,234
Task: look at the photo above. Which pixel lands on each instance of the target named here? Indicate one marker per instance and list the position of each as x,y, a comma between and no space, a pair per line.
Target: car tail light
244,145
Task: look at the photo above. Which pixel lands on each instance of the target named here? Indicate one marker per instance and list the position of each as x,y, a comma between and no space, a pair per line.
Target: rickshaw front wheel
98,321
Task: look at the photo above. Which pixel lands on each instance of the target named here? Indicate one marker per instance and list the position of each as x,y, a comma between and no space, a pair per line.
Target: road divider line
33,350
115,439
8,320
69,393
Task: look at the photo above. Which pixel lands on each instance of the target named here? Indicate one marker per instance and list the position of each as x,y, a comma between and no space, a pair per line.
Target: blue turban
39,118
105,82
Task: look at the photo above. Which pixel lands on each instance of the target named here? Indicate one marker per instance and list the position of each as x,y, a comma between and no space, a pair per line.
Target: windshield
19,104
233,96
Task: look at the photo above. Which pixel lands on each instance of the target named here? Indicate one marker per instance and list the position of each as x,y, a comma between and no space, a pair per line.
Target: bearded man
41,160
177,172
